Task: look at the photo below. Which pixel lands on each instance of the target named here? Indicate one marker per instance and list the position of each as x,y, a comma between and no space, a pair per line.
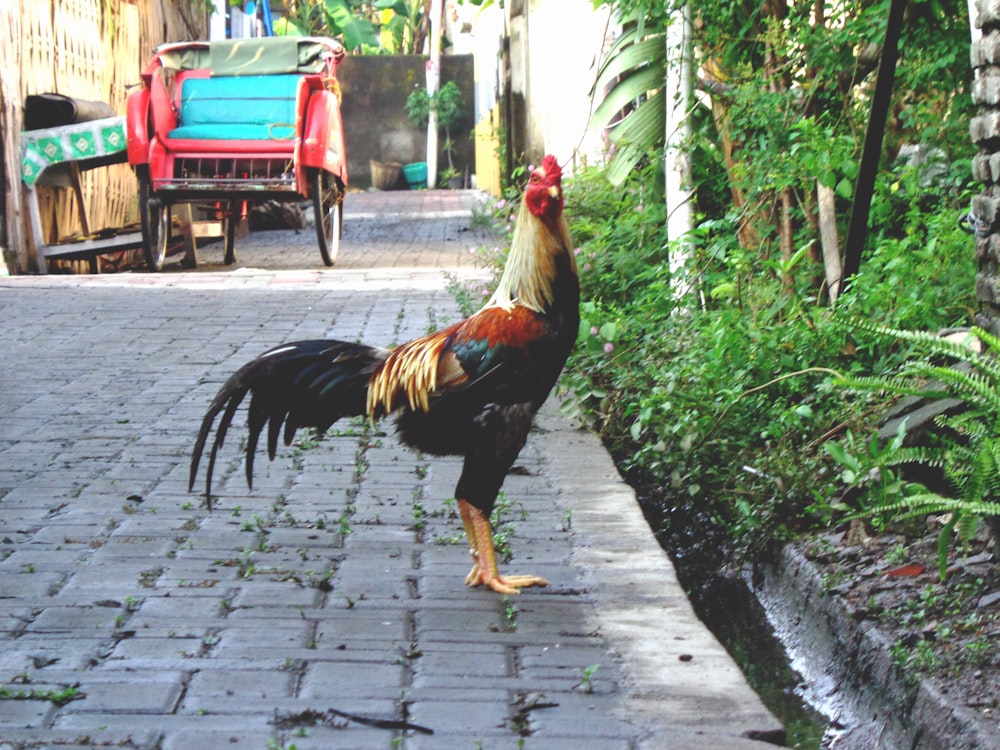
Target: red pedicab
234,121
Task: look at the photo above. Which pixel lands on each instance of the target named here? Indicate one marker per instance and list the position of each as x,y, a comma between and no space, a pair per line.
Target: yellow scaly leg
470,532
484,569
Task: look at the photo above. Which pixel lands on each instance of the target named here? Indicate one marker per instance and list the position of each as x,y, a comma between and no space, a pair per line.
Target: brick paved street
131,616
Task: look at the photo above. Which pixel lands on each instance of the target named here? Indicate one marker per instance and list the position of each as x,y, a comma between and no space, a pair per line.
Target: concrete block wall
375,89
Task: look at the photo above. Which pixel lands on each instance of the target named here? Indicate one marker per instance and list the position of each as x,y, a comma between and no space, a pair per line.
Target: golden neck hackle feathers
412,368
530,272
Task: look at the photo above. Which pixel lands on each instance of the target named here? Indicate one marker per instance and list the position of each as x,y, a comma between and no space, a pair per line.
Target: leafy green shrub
967,448
724,401
919,272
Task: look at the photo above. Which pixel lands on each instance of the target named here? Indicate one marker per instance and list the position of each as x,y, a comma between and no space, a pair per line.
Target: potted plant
452,178
449,104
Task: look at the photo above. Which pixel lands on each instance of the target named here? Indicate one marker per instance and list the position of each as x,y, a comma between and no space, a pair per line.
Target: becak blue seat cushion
255,108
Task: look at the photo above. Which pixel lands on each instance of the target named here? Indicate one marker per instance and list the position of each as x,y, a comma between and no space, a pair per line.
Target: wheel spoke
326,209
155,224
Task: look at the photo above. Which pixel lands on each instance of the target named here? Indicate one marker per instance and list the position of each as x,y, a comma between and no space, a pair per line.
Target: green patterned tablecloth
79,142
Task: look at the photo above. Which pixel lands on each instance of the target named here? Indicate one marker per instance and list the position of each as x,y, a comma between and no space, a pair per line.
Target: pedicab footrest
231,184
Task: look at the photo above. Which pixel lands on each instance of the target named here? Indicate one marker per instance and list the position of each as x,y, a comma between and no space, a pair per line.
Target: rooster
470,389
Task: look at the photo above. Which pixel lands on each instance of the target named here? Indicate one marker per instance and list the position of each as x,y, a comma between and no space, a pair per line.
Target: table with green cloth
92,144
53,155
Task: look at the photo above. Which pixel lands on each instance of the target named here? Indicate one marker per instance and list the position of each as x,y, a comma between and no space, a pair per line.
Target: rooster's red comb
551,167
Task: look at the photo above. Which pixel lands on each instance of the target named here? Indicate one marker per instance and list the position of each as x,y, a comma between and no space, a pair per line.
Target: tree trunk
775,69
785,240
677,162
830,241
746,232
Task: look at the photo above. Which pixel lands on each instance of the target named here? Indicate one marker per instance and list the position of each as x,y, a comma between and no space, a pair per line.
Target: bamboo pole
12,234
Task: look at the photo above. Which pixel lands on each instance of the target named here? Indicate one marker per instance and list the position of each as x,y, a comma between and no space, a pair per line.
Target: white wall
556,48
567,41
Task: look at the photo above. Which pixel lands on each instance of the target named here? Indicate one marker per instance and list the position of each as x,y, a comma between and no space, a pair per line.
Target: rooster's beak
554,191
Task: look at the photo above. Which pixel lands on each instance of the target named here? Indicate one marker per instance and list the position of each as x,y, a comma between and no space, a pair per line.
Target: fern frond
968,386
994,474
990,341
920,504
944,538
969,445
967,527
916,454
986,361
933,343
927,503
971,423
882,384
975,477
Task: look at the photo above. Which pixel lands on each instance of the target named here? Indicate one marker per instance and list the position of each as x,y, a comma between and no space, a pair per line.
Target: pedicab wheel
231,221
154,221
326,194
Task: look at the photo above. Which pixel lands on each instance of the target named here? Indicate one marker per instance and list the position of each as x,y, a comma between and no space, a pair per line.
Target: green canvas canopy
243,57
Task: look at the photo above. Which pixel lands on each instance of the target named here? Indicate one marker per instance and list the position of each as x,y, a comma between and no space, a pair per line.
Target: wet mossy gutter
848,671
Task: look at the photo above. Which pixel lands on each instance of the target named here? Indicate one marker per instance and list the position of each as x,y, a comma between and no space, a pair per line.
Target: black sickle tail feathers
302,384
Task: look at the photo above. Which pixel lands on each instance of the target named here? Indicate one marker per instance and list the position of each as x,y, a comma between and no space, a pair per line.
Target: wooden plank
487,148
183,213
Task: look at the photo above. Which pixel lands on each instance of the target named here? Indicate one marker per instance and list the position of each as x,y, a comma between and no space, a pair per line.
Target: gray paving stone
482,711
68,620
22,714
357,679
139,694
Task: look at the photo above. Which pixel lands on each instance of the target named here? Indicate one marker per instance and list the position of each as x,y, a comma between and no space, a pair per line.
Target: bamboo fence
87,49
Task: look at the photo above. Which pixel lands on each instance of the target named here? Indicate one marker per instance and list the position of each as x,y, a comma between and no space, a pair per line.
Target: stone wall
376,127
985,132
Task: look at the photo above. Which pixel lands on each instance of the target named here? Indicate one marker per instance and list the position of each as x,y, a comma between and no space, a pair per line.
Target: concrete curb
681,682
